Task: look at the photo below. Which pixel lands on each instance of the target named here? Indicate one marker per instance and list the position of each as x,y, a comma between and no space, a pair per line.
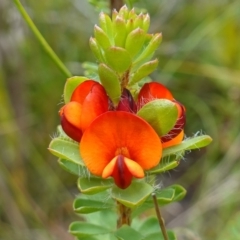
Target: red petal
70,120
95,103
119,133
176,140
127,102
122,170
82,90
151,91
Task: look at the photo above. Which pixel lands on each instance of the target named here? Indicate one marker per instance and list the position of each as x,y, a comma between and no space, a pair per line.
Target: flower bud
127,102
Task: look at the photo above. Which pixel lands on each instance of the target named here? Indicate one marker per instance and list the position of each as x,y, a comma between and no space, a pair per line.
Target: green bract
161,114
123,44
70,86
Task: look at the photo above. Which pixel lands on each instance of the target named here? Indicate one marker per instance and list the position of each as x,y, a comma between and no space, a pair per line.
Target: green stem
124,215
160,219
41,39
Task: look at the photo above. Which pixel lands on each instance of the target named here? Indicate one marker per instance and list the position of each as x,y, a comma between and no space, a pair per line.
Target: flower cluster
122,141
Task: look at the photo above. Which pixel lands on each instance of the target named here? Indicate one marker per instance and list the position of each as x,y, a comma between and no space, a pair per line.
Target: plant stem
41,39
160,219
116,4
124,214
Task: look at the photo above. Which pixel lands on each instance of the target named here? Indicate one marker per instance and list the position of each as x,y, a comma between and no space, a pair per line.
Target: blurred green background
199,61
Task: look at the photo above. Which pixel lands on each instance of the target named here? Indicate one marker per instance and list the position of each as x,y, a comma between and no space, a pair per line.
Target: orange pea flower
88,101
154,90
121,145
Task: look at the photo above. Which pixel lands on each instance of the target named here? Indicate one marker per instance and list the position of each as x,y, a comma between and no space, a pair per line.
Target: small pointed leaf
188,144
93,185
118,59
134,195
143,71
66,149
71,85
120,32
95,48
150,48
106,25
101,37
146,22
164,167
110,81
134,42
161,114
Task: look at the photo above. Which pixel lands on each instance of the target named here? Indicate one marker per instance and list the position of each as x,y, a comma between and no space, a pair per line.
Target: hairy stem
160,219
41,39
124,215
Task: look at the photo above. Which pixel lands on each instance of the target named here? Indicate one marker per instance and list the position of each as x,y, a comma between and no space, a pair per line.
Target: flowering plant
119,130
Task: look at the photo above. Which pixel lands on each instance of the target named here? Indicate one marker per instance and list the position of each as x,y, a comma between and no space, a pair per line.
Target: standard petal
94,104
82,90
70,120
151,91
119,132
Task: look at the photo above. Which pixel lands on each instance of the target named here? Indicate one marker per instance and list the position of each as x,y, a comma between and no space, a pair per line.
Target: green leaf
164,196
109,215
159,236
143,71
180,192
93,203
146,22
66,149
161,114
149,226
83,229
101,38
73,167
120,32
135,41
134,195
150,48
110,81
106,25
118,59
93,185
138,21
71,85
164,167
95,48
127,233
188,144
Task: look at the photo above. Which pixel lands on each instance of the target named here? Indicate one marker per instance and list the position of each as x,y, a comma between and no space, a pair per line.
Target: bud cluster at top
124,48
